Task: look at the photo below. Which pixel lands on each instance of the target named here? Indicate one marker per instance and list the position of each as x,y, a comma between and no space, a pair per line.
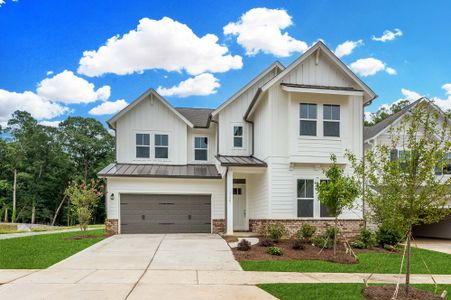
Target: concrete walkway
31,233
189,266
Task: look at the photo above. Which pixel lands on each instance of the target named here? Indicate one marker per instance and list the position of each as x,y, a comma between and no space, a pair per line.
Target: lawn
42,251
329,291
438,263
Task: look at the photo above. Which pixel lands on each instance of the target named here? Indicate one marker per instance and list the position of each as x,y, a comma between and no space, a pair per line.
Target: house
253,160
379,134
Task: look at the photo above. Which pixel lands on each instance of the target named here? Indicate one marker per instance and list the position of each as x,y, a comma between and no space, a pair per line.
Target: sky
61,58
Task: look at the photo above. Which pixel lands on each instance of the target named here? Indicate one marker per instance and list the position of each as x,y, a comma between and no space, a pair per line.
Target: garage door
165,213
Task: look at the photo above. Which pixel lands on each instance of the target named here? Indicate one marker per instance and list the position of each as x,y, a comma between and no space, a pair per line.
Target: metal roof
321,87
160,170
200,117
240,161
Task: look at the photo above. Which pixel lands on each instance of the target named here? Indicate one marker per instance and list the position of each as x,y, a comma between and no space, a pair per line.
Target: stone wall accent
218,225
349,228
111,226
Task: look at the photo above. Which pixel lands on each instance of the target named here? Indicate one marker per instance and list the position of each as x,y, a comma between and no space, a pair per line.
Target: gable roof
370,132
150,92
369,94
199,117
274,65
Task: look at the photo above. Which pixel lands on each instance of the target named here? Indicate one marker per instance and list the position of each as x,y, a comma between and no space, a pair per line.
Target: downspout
217,135
225,199
252,132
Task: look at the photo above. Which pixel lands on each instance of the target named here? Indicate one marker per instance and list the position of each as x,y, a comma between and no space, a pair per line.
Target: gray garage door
165,213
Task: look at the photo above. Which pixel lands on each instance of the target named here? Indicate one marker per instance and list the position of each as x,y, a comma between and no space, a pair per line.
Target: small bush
244,245
305,233
322,241
331,232
358,244
365,239
297,245
275,231
274,251
266,243
387,235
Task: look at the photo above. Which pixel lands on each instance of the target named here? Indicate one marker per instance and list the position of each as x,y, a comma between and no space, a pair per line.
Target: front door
239,207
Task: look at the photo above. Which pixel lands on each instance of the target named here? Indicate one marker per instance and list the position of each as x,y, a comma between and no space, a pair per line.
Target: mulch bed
86,237
258,252
383,292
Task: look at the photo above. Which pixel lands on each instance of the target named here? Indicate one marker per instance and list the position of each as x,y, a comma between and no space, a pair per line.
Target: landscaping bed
379,292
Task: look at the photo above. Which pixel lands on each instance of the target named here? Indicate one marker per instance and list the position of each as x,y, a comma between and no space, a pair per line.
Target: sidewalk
31,233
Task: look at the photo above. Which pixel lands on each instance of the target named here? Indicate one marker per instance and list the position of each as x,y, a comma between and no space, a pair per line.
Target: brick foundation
218,225
349,228
111,226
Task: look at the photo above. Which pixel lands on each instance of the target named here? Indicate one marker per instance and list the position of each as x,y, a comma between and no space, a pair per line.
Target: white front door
239,207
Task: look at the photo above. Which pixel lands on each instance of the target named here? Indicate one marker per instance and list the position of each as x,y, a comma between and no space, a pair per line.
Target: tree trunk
68,212
33,212
335,236
13,216
6,214
58,210
409,235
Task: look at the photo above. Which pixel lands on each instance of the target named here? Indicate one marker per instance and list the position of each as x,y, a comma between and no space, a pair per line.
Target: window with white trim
308,119
444,168
305,197
143,145
331,120
238,136
161,146
201,148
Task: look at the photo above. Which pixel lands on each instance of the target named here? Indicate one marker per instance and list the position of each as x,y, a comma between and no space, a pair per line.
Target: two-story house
253,160
380,134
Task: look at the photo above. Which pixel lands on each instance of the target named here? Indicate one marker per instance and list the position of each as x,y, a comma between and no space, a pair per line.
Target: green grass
329,291
42,251
438,263
7,231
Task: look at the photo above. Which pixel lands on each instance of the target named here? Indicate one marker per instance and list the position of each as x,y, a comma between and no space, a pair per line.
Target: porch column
229,229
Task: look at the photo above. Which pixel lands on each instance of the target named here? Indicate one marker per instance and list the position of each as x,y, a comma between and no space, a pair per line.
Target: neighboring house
379,134
253,160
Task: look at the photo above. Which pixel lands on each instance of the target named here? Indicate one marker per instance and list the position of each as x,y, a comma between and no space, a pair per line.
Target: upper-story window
305,197
445,167
143,145
238,136
161,146
200,148
308,116
331,120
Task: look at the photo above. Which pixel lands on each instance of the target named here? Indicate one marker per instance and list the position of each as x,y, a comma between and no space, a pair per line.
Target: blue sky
43,43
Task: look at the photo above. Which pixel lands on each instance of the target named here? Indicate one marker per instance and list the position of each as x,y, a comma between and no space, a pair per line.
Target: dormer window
331,120
161,146
143,145
238,136
308,118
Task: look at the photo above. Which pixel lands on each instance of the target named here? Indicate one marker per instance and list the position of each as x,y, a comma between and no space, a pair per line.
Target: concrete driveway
144,266
439,245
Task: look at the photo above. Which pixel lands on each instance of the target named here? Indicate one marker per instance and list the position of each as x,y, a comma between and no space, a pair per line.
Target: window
142,145
444,168
323,210
238,136
161,146
200,148
331,123
305,196
307,114
237,191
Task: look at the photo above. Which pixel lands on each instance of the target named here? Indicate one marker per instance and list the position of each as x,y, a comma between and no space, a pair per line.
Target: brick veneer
111,226
218,225
349,228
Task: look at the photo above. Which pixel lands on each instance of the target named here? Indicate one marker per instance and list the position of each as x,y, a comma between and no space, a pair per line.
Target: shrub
305,233
244,245
297,245
388,235
275,231
368,238
331,232
358,244
274,251
322,241
266,243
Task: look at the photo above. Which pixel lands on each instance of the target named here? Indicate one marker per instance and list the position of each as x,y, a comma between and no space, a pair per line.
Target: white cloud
260,29
68,88
159,44
409,95
444,103
347,47
2,2
108,107
49,73
447,88
388,35
50,123
370,66
200,85
37,106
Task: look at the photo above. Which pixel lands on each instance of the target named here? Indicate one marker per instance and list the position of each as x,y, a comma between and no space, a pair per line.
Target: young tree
84,199
402,185
337,192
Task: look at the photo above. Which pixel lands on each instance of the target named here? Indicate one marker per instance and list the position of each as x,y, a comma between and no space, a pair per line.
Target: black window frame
238,137
200,149
158,146
309,118
305,197
142,144
329,118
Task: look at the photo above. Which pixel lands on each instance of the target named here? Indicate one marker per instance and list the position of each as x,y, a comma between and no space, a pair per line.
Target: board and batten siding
198,132
151,117
257,195
172,186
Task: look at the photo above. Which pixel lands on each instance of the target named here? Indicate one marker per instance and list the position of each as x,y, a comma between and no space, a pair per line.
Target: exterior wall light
112,197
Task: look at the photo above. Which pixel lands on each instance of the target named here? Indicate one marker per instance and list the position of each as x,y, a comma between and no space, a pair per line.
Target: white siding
257,194
151,117
211,134
262,133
